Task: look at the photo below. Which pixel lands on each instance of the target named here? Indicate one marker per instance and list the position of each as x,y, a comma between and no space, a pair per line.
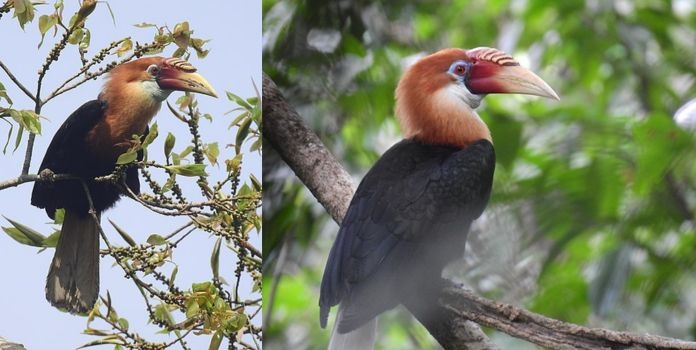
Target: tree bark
8,345
304,152
452,314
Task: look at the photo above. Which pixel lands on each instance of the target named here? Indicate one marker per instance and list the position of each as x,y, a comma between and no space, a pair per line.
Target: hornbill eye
459,69
153,69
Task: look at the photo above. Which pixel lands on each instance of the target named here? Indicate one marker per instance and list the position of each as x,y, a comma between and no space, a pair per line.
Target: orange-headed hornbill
86,146
412,211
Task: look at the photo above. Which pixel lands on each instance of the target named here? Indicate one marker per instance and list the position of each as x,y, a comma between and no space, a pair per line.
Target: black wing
407,220
69,153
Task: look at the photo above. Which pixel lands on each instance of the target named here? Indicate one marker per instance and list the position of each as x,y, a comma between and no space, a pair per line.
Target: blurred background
591,219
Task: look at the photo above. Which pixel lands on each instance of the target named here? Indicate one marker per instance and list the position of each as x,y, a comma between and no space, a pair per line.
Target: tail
73,278
362,338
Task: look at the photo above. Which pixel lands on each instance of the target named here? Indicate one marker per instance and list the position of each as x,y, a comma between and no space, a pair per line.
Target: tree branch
447,315
546,331
17,82
34,177
304,152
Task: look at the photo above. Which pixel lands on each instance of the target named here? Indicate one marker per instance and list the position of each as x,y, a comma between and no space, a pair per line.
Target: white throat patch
155,91
461,93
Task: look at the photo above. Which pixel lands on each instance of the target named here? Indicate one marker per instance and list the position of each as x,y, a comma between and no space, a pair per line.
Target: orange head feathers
134,93
158,76
436,97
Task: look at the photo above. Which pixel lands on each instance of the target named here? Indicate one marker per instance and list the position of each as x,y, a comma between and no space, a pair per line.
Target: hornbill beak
177,74
506,77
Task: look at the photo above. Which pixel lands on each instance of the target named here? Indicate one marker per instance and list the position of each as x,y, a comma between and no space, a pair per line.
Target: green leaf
181,35
24,234
145,25
52,240
169,184
256,146
46,22
4,95
24,11
32,121
169,144
59,216
162,313
151,135
76,36
27,119
197,45
234,163
172,277
92,331
108,340
156,239
238,100
242,134
86,39
126,237
129,157
212,151
188,169
179,52
255,182
215,340
18,138
236,322
186,152
192,308
215,258
202,287
123,323
126,45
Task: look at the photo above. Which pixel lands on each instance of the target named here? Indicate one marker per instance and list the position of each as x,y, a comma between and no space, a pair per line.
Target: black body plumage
73,278
69,153
408,219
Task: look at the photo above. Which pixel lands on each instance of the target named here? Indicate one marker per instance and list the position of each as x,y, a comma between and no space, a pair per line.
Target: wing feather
408,218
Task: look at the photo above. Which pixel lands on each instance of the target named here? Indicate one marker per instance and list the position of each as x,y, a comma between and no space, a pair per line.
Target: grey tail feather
362,338
73,278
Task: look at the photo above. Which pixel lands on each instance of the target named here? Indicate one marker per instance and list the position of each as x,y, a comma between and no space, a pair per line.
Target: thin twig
17,82
28,153
34,177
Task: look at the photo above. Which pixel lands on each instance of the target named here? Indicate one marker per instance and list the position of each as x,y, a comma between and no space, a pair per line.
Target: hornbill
87,145
413,209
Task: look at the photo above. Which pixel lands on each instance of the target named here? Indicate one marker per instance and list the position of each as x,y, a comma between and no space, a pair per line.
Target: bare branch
31,178
17,82
546,331
99,57
29,151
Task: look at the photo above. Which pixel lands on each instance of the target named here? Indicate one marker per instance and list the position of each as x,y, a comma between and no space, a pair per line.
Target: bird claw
46,175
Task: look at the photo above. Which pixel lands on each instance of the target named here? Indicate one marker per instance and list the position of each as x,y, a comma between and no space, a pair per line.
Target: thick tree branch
448,313
546,331
8,345
304,152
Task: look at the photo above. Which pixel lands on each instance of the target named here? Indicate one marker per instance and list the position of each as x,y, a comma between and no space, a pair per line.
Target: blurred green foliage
597,190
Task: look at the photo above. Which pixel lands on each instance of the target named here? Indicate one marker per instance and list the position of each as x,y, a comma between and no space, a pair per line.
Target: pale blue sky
234,30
